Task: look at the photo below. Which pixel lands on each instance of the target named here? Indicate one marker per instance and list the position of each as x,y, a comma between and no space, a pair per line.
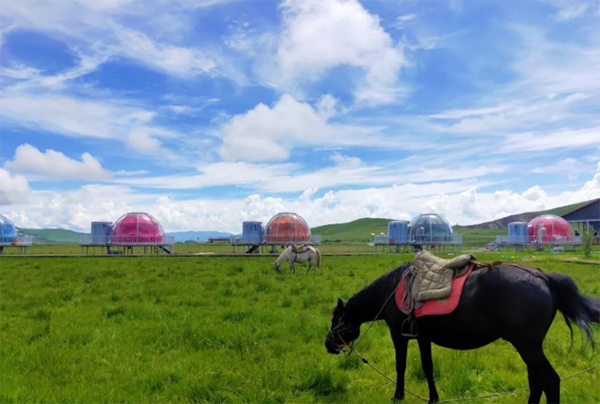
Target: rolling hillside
58,236
357,230
502,223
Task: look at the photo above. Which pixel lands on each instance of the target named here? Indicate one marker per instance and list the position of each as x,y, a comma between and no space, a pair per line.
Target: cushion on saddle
298,248
434,275
441,306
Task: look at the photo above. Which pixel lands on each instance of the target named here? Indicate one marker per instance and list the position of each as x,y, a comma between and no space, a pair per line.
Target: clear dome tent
137,228
548,229
286,228
430,228
8,231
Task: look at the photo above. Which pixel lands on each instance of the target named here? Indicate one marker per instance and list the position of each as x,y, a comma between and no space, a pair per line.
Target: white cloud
323,34
290,178
561,139
13,188
403,20
72,116
569,167
140,139
55,165
471,206
460,201
265,133
95,26
571,12
175,60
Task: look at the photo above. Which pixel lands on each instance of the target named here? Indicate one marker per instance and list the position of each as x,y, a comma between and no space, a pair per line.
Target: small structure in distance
283,229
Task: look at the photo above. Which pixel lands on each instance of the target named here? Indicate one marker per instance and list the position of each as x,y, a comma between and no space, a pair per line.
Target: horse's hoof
397,398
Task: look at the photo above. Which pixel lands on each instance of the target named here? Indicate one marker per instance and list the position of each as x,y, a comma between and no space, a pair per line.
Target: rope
366,362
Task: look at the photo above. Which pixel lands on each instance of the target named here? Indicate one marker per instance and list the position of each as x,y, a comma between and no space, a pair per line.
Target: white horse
310,254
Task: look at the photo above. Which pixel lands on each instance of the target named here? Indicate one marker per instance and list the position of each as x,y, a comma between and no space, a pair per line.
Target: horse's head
276,265
342,331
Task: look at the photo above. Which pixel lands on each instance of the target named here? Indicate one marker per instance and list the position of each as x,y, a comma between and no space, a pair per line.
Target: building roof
588,212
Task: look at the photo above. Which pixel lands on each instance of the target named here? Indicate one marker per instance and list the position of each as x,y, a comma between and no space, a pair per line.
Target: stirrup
413,328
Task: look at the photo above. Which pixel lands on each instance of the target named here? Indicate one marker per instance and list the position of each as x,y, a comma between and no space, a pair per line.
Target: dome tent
548,228
137,227
286,228
8,231
429,228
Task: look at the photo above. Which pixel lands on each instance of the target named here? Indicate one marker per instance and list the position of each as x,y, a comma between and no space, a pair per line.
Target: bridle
338,329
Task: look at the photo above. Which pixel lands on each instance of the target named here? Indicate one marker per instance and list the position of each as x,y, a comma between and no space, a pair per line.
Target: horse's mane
380,289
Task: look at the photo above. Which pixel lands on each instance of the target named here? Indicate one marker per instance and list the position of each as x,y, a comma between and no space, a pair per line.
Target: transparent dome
548,228
287,228
137,227
429,228
8,231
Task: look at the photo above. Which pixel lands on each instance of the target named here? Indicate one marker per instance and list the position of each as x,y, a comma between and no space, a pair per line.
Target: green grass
478,237
231,330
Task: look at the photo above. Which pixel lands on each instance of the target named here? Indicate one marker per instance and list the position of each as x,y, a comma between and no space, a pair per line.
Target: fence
21,240
88,239
436,239
560,240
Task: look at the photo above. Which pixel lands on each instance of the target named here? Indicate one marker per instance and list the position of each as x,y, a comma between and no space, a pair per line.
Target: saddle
298,248
433,275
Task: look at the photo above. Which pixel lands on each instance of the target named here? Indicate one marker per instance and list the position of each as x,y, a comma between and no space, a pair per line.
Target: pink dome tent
548,229
287,228
137,228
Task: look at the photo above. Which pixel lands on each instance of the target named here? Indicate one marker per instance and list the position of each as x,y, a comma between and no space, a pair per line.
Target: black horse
505,301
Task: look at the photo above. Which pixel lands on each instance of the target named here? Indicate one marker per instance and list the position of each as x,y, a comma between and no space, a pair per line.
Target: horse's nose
330,346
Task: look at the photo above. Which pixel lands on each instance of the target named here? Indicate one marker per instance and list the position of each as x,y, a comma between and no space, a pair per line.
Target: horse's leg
292,267
401,345
309,265
541,374
427,363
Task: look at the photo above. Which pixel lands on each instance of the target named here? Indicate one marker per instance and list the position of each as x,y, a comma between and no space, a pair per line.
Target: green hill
357,230
59,236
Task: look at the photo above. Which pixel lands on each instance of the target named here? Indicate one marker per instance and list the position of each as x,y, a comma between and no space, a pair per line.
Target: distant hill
502,223
357,230
51,236
181,236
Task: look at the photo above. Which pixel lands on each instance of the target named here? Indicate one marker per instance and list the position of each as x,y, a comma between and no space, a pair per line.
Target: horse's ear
340,304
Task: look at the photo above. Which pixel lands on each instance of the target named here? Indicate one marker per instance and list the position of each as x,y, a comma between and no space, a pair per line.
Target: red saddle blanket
437,307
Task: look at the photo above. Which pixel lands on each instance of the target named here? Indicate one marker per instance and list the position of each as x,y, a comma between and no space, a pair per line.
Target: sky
207,113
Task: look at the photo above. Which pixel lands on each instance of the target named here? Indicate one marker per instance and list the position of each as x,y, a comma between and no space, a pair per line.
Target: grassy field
347,247
213,329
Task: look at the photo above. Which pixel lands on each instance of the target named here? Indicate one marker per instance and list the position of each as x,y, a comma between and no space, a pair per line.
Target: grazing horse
310,254
504,301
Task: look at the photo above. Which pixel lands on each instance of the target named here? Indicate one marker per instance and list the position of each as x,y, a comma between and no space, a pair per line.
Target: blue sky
207,113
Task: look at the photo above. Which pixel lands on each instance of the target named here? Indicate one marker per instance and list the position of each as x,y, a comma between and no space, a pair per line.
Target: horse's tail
318,258
582,310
